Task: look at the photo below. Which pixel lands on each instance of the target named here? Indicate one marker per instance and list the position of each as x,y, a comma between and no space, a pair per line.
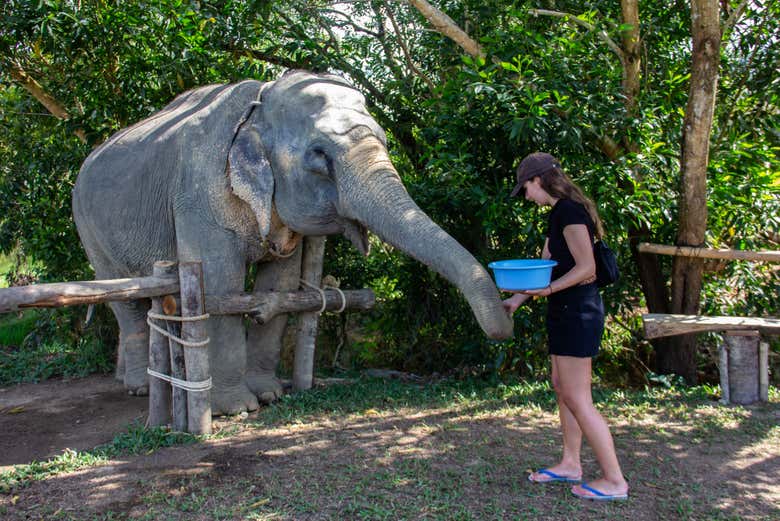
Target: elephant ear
249,171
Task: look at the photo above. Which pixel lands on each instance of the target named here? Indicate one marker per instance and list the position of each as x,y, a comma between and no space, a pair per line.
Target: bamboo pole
60,294
709,253
159,359
311,272
196,359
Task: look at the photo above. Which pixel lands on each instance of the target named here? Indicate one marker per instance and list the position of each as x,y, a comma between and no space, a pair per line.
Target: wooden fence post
159,360
196,359
723,370
311,272
763,371
179,395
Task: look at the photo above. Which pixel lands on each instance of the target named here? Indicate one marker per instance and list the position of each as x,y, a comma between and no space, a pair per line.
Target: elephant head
310,151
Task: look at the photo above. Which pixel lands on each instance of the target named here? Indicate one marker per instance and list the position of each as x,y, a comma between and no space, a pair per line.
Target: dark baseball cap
531,166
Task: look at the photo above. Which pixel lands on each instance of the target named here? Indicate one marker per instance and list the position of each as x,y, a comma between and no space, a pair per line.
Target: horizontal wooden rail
709,253
263,306
659,325
60,294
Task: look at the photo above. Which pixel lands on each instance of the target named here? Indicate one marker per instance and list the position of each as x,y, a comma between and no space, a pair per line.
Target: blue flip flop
554,478
599,495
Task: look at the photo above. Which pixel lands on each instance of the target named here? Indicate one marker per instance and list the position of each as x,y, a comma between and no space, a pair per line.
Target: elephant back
141,170
201,118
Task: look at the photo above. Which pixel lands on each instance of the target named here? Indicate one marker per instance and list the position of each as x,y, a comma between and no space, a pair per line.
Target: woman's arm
578,242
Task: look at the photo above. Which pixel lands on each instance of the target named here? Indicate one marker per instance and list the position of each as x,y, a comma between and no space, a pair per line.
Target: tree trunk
632,60
651,277
680,356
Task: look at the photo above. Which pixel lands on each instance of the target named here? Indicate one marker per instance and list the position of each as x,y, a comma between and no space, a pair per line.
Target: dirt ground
418,464
39,421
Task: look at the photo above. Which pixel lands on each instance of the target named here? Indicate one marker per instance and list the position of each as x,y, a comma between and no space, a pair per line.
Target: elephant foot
266,386
136,383
227,401
134,357
138,391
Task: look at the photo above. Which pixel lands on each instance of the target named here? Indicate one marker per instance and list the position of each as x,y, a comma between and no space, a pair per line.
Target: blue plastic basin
520,274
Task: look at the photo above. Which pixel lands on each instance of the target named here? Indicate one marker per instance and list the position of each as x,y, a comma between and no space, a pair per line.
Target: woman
575,323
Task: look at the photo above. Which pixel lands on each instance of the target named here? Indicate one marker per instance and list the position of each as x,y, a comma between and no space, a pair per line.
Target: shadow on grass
452,450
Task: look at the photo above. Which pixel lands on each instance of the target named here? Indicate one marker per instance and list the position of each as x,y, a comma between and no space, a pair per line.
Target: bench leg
743,366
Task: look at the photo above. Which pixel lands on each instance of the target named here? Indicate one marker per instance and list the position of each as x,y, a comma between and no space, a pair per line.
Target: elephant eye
317,161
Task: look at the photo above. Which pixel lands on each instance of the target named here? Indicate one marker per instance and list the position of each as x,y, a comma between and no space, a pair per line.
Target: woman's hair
556,183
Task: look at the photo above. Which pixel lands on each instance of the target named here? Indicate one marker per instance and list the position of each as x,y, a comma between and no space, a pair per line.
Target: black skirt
575,321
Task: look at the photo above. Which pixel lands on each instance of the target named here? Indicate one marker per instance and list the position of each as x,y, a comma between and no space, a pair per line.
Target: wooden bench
743,357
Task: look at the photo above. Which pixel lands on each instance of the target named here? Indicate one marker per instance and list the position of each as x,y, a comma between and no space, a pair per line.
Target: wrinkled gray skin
216,178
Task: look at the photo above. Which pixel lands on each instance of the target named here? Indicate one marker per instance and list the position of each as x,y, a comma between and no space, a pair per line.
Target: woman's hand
544,292
515,301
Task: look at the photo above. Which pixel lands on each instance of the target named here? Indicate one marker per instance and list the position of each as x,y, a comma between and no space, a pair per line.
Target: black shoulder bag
607,271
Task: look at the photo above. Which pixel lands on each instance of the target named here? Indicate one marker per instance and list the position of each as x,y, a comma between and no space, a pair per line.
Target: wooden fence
743,358
178,345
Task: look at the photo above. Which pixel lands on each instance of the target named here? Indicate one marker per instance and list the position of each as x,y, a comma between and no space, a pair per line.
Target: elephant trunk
384,207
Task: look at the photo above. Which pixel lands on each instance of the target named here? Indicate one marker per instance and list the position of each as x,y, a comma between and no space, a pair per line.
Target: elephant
234,175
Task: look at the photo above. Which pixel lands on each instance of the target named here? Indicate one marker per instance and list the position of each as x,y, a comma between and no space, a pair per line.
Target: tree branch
589,26
732,20
381,37
348,22
446,26
407,55
268,56
36,90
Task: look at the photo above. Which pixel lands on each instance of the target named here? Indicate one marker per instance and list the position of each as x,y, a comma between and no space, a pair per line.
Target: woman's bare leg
575,391
570,465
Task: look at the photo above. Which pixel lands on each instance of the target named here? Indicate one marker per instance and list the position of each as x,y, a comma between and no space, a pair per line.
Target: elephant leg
264,342
227,359
224,271
133,350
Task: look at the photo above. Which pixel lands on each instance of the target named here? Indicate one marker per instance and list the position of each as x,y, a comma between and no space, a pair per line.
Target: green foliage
56,343
38,165
14,328
457,125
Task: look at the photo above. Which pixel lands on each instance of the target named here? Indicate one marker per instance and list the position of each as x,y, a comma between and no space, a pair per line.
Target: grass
14,327
5,266
451,450
136,440
54,358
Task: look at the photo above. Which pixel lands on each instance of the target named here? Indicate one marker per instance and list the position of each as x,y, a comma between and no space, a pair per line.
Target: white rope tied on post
174,318
322,296
205,385
182,384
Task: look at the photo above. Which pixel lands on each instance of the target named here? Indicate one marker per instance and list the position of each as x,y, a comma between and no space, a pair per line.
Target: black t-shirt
564,213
